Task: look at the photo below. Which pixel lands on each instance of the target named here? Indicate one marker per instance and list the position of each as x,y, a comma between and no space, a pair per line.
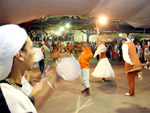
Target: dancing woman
103,68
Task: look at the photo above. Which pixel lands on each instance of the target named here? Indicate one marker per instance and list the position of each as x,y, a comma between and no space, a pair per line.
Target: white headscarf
12,38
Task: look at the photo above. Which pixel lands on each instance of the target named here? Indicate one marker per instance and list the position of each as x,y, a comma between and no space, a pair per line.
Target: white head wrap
103,48
12,38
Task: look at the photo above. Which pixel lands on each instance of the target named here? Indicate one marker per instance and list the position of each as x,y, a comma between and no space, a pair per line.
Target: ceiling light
62,29
68,25
102,20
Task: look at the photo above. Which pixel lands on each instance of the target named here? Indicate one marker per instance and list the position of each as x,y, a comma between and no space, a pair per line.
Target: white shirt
16,100
125,53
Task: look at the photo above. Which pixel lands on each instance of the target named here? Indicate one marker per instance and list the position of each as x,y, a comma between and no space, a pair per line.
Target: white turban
12,38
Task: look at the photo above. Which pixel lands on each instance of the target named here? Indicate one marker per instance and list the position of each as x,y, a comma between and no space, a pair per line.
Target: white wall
92,38
80,37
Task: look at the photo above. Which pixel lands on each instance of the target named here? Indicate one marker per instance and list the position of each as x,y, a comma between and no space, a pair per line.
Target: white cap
12,38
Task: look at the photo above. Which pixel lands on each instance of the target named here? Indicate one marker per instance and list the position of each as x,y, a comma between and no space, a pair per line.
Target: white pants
85,78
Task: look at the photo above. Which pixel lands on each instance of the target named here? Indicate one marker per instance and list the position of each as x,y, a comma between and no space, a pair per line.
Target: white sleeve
125,53
97,51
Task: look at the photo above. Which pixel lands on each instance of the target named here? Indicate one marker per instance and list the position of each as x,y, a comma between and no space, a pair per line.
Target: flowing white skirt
103,69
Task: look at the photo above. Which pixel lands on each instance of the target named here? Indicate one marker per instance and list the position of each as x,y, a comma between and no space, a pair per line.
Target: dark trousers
42,65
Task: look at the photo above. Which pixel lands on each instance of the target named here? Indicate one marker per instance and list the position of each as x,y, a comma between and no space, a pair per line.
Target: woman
103,68
63,52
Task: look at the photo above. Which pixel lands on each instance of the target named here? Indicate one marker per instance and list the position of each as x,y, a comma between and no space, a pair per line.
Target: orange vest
102,55
134,58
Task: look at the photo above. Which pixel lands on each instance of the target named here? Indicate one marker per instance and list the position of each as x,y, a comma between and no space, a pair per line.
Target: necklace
15,86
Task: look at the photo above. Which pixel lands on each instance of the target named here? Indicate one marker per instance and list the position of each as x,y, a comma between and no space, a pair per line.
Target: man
132,64
83,60
41,62
17,56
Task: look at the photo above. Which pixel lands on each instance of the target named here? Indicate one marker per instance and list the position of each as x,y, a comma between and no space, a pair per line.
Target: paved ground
105,97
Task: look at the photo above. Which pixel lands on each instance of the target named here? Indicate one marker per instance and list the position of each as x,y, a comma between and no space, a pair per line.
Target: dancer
83,60
70,47
132,64
103,68
78,47
63,52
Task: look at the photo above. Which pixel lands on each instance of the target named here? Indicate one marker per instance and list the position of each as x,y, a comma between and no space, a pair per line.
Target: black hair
40,44
123,39
120,43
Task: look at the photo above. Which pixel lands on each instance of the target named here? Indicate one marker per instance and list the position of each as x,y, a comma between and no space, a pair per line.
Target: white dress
103,68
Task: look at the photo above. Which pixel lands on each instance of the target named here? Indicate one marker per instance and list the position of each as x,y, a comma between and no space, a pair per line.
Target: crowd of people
104,52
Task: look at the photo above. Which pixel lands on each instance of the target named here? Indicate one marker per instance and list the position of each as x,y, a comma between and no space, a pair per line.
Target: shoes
88,93
127,94
145,67
102,81
84,91
140,75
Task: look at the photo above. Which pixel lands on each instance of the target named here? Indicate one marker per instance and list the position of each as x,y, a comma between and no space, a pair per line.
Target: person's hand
45,88
36,88
145,64
52,78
